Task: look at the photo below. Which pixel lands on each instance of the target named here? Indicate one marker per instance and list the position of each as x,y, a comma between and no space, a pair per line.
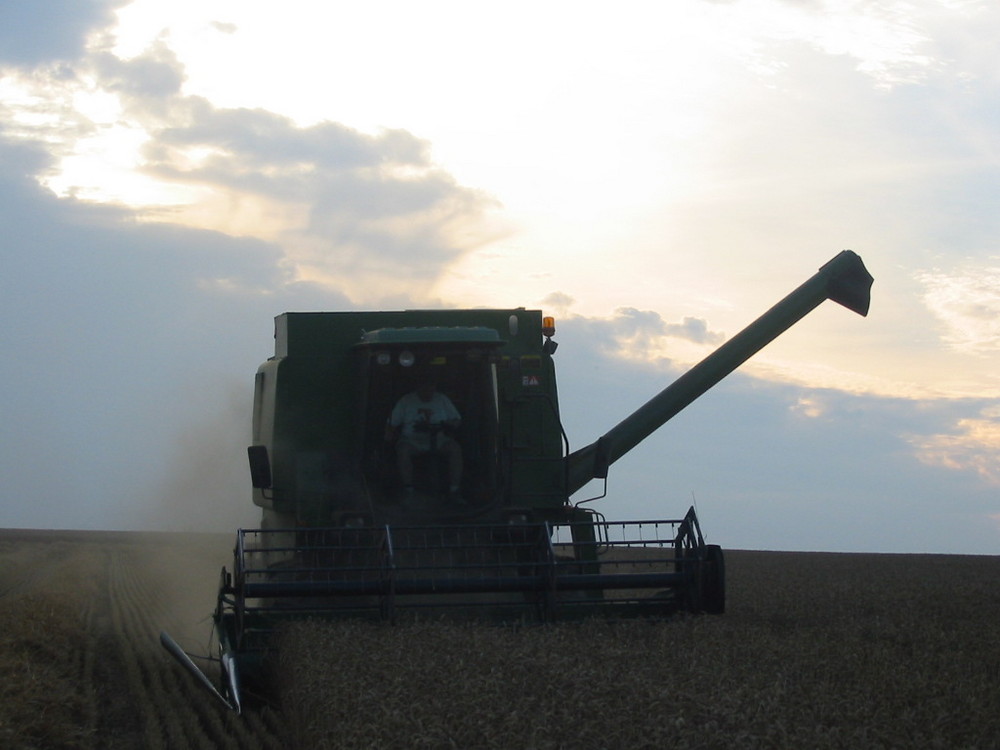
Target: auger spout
844,279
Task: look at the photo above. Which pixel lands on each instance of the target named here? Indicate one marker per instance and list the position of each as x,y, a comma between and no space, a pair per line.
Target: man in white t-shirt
423,421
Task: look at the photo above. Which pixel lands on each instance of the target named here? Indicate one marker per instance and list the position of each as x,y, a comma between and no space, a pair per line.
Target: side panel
532,432
303,413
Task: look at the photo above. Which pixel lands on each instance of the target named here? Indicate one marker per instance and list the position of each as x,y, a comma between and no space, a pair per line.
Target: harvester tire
714,581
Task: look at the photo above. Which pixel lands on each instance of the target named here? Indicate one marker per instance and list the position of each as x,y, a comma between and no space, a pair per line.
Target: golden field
816,650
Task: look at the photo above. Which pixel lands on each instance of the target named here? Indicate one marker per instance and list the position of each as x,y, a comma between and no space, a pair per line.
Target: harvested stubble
816,650
43,702
80,662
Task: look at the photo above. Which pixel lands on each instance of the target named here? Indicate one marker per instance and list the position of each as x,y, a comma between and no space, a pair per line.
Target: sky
656,175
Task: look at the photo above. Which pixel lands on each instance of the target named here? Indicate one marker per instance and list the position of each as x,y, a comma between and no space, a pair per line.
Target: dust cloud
206,487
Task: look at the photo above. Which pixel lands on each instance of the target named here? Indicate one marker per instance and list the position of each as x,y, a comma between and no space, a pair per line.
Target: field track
101,600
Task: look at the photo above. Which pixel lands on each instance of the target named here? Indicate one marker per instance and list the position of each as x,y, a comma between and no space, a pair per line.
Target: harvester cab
475,517
345,437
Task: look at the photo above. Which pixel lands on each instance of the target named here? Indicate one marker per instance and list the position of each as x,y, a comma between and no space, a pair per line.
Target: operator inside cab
425,422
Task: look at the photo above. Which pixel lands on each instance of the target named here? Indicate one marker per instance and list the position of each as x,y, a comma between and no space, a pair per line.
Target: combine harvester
479,524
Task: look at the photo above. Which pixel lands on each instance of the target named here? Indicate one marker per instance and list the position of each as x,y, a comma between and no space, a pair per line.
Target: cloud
810,406
156,74
357,211
633,323
560,302
891,42
33,32
370,205
225,27
966,303
973,445
641,334
695,330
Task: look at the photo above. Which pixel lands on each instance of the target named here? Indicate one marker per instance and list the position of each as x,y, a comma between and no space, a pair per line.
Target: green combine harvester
414,463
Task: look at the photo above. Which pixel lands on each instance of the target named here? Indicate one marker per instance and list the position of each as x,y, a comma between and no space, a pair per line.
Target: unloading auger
352,529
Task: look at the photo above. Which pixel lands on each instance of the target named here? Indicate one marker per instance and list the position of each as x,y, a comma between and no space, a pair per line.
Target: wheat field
816,650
